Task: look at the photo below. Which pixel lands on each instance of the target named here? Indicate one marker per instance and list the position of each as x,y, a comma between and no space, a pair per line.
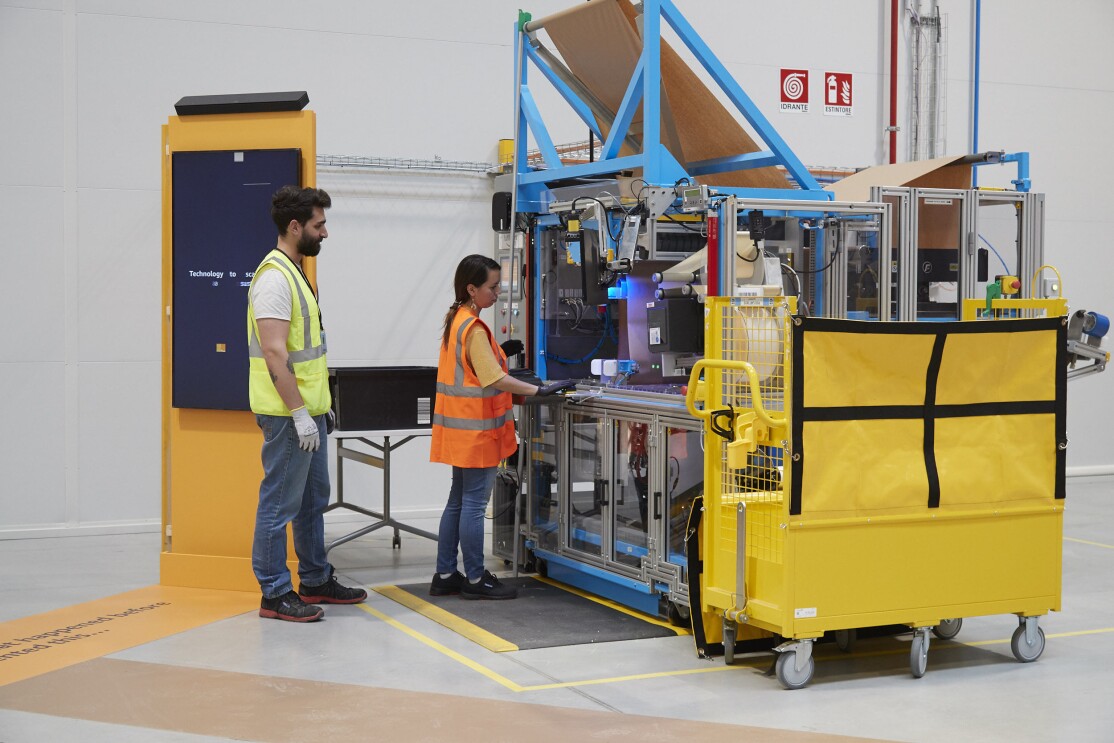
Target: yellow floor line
516,687
1093,544
478,635
479,668
760,662
1054,635
717,668
612,605
936,644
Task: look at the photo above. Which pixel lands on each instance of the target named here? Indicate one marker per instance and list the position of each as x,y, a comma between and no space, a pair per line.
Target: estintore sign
837,94
794,91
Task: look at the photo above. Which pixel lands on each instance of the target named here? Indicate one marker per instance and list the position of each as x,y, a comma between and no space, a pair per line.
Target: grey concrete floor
974,689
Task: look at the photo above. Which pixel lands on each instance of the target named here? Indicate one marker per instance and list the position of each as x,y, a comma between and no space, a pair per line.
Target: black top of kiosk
240,103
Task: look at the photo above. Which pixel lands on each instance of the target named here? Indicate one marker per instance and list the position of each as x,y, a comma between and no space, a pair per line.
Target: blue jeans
463,521
295,488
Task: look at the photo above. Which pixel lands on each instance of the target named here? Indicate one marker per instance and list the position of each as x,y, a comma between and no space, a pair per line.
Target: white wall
86,84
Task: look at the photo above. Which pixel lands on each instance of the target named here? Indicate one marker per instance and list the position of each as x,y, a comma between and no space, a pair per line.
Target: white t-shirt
270,296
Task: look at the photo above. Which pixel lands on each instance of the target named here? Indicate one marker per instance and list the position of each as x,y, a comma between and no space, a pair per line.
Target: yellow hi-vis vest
305,344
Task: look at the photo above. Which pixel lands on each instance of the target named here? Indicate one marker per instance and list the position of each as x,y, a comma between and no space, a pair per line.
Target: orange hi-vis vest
472,426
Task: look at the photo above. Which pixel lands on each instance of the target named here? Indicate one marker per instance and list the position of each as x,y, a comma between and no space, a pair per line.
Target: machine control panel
694,199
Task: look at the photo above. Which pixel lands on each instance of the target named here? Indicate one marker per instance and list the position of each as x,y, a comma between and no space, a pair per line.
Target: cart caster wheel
1022,650
948,628
396,542
728,642
918,654
845,639
678,615
787,673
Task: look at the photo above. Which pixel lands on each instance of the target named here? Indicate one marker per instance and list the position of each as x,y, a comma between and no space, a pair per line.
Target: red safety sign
794,91
838,99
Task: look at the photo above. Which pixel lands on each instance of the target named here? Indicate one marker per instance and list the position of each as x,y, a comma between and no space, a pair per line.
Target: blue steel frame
1022,182
659,167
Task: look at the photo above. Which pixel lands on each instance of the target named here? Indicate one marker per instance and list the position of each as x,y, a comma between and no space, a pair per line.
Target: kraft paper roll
696,262
757,340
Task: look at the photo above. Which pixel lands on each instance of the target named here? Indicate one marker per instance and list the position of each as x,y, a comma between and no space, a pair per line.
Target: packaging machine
610,269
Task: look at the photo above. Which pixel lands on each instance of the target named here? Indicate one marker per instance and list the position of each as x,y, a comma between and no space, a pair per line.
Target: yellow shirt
482,359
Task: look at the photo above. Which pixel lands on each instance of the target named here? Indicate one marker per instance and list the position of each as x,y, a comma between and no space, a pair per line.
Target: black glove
511,347
330,421
554,387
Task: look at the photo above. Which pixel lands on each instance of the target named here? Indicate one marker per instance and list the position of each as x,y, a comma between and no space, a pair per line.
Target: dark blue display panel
222,230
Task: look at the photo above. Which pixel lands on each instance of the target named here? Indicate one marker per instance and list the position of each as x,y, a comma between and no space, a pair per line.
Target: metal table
383,462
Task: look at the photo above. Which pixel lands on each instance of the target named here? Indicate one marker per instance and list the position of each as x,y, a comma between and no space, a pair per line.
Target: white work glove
309,438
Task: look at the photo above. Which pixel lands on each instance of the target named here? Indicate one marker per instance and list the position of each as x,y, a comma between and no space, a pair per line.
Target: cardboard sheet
599,43
939,220
601,49
936,173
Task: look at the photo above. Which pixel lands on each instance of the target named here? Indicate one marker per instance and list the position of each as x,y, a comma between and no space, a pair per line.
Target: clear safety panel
858,239
543,475
587,486
940,243
684,481
630,505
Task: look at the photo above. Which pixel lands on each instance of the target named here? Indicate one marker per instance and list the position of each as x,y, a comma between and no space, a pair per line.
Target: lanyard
314,292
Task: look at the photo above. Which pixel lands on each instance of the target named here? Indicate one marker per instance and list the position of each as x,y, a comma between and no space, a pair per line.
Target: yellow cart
863,474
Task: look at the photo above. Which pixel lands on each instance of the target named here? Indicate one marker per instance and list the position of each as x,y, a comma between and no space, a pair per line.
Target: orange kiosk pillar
225,155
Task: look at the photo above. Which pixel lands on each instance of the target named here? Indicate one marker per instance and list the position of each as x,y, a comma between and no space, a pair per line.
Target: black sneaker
489,587
331,592
446,586
290,608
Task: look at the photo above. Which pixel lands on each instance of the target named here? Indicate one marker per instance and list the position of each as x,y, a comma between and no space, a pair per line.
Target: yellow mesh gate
747,366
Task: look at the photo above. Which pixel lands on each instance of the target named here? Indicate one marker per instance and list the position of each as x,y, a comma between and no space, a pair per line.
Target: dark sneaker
446,586
331,592
489,587
290,608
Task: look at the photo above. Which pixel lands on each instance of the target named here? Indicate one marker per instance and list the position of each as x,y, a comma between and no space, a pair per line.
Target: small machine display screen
693,199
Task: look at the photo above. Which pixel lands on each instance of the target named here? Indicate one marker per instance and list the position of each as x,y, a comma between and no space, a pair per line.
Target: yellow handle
752,378
690,393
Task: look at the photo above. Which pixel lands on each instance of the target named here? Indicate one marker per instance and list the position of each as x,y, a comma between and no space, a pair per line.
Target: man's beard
308,246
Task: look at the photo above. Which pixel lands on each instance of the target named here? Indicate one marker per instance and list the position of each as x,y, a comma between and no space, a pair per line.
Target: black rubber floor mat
544,615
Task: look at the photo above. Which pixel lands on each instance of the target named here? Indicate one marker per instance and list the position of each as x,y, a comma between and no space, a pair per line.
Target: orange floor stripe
56,639
250,707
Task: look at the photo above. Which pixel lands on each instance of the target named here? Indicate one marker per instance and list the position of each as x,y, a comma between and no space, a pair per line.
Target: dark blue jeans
295,489
463,521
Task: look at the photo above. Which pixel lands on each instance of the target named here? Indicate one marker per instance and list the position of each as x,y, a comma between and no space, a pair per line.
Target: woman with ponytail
473,428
